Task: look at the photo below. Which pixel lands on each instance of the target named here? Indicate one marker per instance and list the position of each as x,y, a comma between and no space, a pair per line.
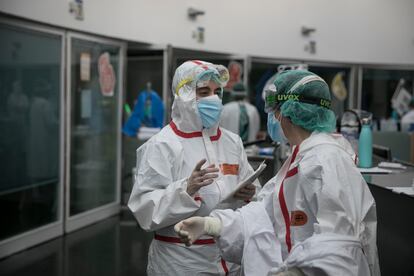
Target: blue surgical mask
275,129
209,109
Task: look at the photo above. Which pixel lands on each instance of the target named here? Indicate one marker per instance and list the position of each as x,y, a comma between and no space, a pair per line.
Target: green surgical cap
303,97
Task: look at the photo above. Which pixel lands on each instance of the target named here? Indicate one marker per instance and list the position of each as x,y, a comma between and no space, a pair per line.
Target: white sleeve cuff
212,226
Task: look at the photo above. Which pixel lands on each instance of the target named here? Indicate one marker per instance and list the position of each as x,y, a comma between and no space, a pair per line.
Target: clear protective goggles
208,76
270,99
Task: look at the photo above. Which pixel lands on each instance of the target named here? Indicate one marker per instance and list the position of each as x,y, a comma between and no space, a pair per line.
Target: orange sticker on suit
298,218
229,169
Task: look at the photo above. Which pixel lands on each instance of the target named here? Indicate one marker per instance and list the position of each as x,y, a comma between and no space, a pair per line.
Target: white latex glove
201,177
294,271
193,228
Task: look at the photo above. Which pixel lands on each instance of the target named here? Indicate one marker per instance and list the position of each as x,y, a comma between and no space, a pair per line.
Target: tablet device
248,180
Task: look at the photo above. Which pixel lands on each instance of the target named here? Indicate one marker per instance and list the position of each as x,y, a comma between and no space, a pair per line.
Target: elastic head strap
181,84
304,81
281,98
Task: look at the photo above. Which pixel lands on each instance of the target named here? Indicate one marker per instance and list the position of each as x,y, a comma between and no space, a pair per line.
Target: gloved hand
294,271
246,193
193,228
201,177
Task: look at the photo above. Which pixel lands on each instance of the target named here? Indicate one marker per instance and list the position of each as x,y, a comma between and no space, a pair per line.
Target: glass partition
30,123
94,124
378,87
144,75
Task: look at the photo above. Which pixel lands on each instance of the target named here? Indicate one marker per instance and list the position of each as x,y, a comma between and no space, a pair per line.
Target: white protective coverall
159,198
316,214
231,115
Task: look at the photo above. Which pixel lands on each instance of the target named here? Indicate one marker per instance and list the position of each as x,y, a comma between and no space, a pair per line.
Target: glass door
31,134
94,97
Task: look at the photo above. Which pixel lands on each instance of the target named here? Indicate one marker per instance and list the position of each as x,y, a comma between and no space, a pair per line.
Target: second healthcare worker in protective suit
187,169
240,116
317,215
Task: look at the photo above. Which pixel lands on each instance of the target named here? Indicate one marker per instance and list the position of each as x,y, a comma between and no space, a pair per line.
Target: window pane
378,87
30,66
94,125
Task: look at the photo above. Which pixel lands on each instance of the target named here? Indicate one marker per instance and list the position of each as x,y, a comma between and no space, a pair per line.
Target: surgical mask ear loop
283,135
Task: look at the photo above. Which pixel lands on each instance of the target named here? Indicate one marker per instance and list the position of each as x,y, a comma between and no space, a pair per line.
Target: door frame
49,231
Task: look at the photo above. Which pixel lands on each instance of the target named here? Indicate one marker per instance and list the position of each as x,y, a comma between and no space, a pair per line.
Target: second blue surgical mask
275,129
209,109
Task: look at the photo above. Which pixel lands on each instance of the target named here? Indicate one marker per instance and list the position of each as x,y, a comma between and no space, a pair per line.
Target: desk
395,214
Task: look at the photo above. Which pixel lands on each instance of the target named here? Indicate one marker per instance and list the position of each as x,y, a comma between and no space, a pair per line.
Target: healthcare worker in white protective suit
317,215
240,116
407,121
186,170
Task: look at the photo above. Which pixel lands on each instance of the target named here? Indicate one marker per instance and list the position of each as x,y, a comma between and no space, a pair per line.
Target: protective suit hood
187,77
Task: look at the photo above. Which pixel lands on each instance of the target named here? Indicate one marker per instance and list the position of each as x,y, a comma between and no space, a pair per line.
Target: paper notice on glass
248,180
107,77
400,101
86,103
85,67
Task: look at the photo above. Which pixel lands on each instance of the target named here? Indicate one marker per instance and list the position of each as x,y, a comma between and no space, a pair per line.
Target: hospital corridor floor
114,246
